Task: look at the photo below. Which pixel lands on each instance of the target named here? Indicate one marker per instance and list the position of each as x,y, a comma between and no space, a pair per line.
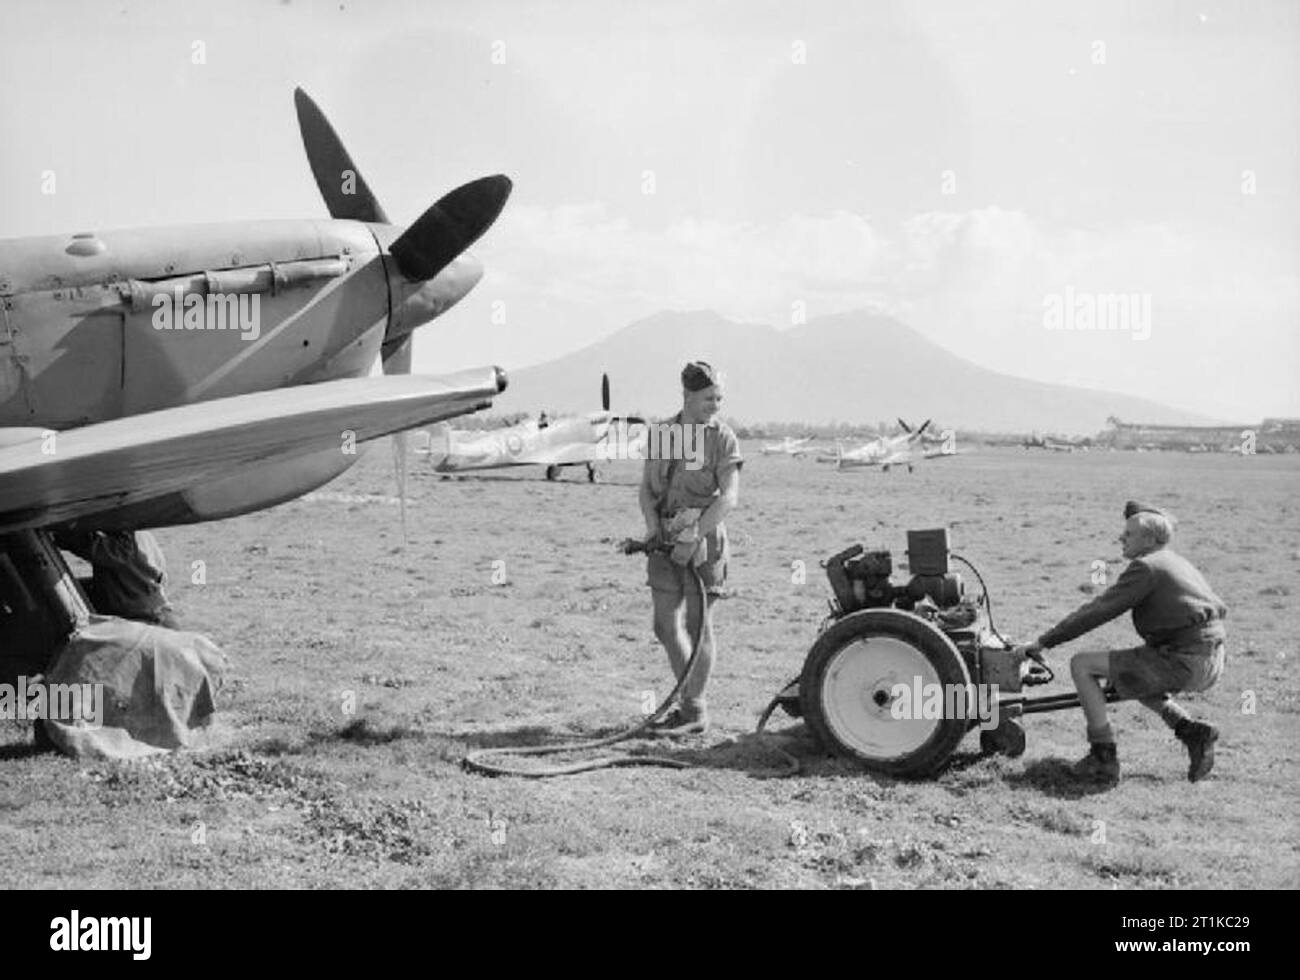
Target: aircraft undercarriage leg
40,603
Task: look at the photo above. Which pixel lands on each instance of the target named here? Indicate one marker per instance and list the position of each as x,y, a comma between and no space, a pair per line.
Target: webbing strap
672,471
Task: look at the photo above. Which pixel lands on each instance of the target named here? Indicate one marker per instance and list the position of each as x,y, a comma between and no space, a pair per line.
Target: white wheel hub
860,687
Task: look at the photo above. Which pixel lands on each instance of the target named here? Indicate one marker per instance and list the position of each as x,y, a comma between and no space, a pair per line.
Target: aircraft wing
49,478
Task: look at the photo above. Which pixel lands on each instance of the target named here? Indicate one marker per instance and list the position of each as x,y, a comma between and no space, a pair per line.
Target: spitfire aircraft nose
503,379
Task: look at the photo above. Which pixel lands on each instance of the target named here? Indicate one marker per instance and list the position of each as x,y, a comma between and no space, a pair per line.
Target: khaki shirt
694,487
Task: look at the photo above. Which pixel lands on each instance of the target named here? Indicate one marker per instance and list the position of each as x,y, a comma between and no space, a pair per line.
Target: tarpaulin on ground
157,688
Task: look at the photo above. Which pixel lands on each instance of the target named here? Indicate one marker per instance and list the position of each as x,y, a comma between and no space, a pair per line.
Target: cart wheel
848,689
1007,738
552,473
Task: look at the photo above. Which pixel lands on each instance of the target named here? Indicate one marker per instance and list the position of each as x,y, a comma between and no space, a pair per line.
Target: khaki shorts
663,575
1144,672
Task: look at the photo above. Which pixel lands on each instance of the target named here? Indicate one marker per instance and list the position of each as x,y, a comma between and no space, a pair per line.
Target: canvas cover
159,688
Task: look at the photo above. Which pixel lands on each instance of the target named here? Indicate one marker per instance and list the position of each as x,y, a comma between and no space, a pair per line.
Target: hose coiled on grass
481,761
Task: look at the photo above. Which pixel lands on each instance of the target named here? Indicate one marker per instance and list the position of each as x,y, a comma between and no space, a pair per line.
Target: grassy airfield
364,667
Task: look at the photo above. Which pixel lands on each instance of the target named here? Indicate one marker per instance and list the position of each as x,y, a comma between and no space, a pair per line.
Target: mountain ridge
858,367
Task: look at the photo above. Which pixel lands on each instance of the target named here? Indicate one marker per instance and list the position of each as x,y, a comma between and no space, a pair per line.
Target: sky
964,167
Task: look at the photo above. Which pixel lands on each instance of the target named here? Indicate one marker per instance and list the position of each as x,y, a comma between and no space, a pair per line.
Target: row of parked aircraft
1056,445
884,451
588,440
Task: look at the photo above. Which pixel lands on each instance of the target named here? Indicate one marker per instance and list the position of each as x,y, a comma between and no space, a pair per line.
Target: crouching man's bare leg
1102,761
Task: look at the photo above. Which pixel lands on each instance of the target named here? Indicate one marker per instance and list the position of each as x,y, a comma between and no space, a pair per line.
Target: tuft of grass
1056,819
1140,865
363,731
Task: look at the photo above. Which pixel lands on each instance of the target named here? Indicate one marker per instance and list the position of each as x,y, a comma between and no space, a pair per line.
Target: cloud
974,281
747,271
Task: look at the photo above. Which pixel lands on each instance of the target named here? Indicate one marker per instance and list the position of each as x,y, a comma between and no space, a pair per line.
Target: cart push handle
1045,675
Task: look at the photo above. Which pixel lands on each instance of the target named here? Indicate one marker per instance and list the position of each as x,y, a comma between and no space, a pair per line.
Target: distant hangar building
1276,435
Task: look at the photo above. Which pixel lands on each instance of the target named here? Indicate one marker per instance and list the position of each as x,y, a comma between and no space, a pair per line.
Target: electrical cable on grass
478,761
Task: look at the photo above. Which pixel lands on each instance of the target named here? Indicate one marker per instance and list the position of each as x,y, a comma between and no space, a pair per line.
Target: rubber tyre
552,473
854,664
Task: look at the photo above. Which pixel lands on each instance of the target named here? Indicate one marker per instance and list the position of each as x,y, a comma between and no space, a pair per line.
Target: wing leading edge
52,478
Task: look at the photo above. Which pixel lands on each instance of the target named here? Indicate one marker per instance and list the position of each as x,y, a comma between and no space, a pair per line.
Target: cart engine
860,579
882,638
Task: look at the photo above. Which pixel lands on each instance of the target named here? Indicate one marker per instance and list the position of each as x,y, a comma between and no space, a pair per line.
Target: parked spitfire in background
889,451
116,416
788,446
567,441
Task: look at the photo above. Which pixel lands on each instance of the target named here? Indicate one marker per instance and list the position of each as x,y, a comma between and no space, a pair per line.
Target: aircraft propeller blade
604,406
906,428
924,425
345,191
449,227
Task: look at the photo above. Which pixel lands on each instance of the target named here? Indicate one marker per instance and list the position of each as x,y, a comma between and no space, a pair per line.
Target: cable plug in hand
684,552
